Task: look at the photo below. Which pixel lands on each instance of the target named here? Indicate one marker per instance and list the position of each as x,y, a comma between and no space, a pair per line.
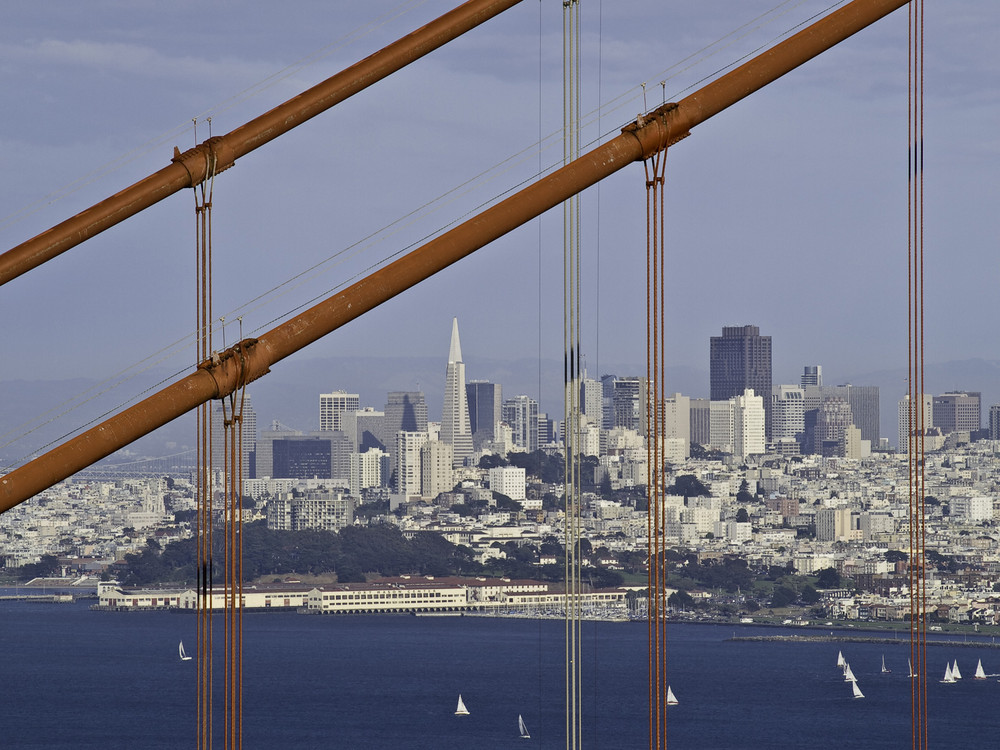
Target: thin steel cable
172,135
655,433
652,502
370,240
916,408
571,337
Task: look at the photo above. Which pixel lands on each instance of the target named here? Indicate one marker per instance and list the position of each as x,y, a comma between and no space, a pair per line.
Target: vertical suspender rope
917,412
571,370
203,241
233,514
655,507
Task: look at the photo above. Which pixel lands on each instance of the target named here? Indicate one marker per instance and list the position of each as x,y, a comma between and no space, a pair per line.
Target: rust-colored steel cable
252,358
203,312
916,408
655,433
189,169
651,518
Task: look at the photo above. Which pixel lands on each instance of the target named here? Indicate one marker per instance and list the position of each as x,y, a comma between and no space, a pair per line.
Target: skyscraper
332,405
923,418
739,359
521,414
455,429
485,400
590,400
811,375
787,413
958,411
405,411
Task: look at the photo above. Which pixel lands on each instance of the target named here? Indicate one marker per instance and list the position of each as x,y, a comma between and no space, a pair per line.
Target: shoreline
851,638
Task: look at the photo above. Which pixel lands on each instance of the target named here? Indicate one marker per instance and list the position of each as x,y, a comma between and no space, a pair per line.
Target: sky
787,211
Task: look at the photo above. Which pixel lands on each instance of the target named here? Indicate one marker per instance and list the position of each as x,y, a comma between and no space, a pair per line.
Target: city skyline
261,210
78,52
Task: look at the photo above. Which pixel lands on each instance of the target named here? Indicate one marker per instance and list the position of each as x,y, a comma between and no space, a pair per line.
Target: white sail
522,729
849,675
948,676
954,671
840,659
461,710
980,672
857,690
909,665
671,700
884,668
182,652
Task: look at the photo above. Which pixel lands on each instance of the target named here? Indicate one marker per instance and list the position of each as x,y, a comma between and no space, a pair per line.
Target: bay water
74,678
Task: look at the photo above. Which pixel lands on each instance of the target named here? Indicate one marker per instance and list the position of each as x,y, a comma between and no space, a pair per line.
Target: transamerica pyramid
455,415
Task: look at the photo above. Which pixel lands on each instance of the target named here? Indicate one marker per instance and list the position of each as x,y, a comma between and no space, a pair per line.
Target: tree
688,485
828,578
606,490
47,566
783,596
503,502
603,578
680,600
810,595
492,461
744,495
742,516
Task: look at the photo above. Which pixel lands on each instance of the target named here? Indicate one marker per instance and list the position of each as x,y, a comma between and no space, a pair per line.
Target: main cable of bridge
252,358
188,169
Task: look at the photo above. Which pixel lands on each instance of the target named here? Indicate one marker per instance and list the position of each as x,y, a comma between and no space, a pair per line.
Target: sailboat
182,652
885,670
909,666
857,690
671,699
522,729
948,676
461,710
954,671
840,659
849,675
980,673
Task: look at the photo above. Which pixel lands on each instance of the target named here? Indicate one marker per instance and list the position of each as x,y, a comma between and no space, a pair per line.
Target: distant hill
290,394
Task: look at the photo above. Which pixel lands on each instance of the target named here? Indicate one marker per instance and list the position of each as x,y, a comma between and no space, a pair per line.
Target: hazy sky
787,210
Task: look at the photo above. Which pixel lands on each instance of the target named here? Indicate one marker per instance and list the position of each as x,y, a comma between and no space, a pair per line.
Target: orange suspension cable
656,509
917,406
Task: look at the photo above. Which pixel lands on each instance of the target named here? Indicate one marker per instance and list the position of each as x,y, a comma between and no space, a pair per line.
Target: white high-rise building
722,426
408,469
455,429
738,424
972,509
591,400
812,375
332,405
833,525
437,473
677,418
367,470
521,414
788,421
509,481
904,419
749,422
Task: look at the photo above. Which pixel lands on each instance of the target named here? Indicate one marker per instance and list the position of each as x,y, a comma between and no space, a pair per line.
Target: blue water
78,679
